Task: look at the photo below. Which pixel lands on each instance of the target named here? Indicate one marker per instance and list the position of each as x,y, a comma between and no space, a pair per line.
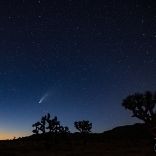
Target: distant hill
129,131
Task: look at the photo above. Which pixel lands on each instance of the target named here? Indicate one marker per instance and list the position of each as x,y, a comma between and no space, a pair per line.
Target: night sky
76,59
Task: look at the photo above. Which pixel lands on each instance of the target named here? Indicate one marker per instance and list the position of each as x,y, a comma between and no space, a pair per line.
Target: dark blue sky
85,55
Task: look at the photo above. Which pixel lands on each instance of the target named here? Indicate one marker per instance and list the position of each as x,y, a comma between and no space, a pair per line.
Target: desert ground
121,141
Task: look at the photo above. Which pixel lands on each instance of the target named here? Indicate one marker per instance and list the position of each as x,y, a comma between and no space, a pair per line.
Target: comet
43,98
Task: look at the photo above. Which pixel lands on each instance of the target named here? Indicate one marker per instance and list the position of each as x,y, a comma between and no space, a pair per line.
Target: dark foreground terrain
122,141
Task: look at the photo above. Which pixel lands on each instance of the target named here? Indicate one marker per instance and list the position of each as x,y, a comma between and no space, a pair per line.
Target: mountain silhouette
129,131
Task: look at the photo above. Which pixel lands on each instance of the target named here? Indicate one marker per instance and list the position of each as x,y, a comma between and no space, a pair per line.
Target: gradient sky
83,56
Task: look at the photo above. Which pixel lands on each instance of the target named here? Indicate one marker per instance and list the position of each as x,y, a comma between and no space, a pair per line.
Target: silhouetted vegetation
37,127
125,140
83,126
49,125
54,139
143,106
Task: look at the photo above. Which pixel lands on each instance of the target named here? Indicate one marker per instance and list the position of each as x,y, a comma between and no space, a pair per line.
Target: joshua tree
48,116
53,125
37,128
83,126
143,106
43,123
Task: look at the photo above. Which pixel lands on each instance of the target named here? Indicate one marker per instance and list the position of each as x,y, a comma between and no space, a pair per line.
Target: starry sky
77,59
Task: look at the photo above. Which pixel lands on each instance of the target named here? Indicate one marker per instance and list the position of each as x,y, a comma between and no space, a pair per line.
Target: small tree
83,126
37,128
43,124
53,125
63,130
143,106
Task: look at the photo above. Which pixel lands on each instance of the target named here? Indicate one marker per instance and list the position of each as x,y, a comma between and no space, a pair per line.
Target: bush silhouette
53,125
143,106
63,129
83,126
37,127
43,124
49,125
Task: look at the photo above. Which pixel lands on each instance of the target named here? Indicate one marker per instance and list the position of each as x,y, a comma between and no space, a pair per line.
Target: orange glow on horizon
10,135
